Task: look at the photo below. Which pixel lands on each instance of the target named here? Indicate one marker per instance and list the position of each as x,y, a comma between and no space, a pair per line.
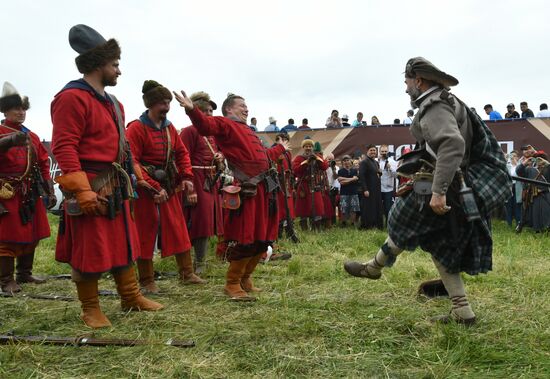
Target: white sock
385,257
455,287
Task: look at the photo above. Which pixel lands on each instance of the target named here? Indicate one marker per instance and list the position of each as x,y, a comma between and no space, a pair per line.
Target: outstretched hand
184,101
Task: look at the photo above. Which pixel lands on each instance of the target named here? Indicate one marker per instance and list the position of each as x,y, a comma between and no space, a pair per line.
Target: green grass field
312,320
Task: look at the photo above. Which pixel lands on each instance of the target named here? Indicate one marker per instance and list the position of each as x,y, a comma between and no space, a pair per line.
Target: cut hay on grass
312,320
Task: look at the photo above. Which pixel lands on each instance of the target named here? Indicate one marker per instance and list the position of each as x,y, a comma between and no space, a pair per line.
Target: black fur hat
12,99
94,50
154,92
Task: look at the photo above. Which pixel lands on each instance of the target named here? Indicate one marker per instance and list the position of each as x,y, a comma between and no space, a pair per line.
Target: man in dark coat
536,197
444,217
371,199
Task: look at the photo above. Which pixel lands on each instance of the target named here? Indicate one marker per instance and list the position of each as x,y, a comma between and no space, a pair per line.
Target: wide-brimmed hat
423,68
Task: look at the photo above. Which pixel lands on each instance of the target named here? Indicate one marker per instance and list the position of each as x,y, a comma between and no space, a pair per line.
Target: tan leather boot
185,268
24,270
89,301
147,277
233,287
246,282
131,298
7,282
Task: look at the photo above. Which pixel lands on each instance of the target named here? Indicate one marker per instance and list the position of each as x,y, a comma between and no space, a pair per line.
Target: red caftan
204,219
165,220
305,207
85,134
243,150
284,163
329,211
13,163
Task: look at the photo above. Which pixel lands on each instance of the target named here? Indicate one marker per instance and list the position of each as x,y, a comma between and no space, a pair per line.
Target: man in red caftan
164,164
309,168
98,233
328,208
24,179
204,216
286,179
251,226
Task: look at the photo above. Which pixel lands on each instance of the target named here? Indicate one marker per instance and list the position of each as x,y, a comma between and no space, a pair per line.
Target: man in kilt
445,223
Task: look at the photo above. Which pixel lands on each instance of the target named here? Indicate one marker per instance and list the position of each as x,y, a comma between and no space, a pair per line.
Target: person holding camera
388,166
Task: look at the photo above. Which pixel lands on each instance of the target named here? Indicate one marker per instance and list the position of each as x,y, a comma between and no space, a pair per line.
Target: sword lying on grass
89,341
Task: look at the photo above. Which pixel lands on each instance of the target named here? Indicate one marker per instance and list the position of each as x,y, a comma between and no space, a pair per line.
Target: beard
109,82
414,93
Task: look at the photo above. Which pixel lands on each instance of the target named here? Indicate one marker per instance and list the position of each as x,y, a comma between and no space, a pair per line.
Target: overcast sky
296,58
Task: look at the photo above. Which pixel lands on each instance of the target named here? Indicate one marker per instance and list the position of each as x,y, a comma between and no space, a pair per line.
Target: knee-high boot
24,270
89,302
200,246
185,268
147,276
7,282
246,281
130,297
233,287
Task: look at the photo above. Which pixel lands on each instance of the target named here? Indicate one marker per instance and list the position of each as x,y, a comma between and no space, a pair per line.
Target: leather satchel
231,198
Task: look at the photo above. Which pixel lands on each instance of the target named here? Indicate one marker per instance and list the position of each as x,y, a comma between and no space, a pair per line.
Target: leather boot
303,224
147,277
24,270
233,287
200,246
131,298
185,268
6,275
246,282
89,301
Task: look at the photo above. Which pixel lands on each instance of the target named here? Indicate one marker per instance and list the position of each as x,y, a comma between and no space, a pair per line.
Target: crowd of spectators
334,121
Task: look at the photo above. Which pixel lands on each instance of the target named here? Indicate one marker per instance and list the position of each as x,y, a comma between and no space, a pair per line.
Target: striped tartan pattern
411,226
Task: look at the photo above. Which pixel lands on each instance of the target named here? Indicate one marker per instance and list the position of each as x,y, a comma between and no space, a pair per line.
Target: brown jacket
442,123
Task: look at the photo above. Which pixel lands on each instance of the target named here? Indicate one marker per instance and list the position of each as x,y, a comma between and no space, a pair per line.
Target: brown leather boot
24,270
147,277
185,268
246,282
233,287
130,297
6,275
89,301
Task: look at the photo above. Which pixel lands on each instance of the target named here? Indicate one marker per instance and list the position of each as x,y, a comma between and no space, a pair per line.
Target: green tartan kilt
469,250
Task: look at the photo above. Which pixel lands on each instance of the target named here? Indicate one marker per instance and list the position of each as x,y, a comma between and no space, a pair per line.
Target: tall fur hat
154,92
12,99
202,100
94,50
423,68
307,141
